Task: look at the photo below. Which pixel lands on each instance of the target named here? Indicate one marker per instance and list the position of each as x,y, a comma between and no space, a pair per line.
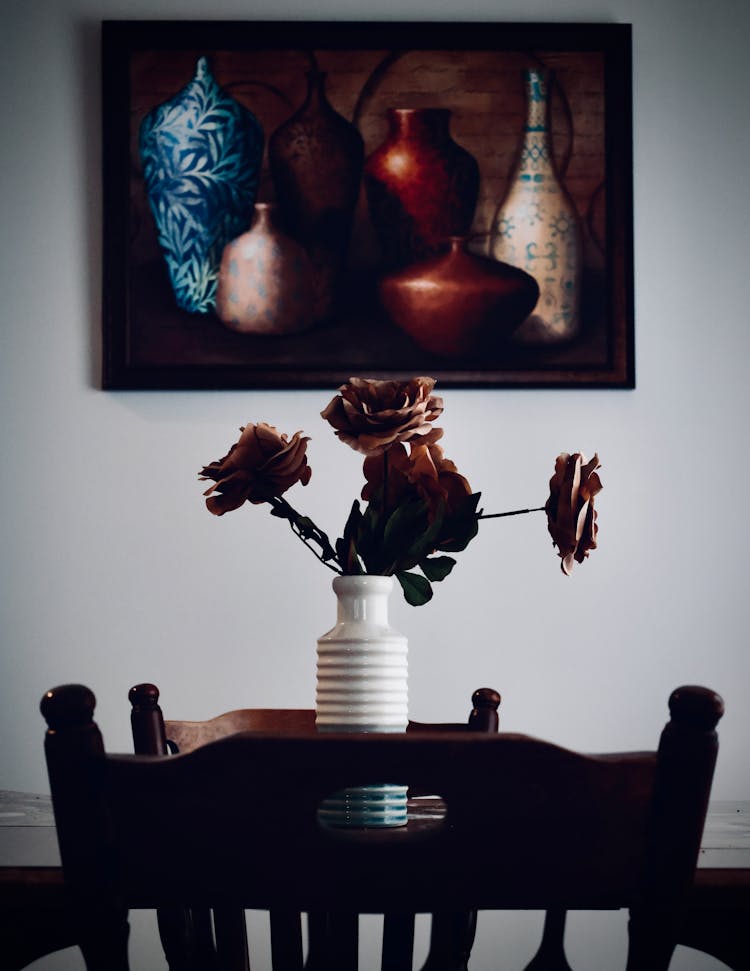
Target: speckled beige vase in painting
265,280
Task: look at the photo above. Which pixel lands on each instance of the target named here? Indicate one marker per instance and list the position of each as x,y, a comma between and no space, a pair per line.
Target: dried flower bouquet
418,506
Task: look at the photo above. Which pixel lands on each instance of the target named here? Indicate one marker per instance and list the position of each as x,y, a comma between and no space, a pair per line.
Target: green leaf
306,526
437,568
346,554
409,536
460,528
353,520
346,547
417,590
406,523
369,533
326,550
281,512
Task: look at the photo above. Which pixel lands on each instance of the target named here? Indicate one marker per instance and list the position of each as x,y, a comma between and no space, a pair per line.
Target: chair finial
484,716
68,706
696,708
145,695
486,698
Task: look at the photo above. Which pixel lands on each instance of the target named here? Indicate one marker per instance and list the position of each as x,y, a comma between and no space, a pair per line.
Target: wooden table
34,914
718,917
35,919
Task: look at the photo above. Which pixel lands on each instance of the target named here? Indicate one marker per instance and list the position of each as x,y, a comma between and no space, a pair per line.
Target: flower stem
514,512
384,510
314,552
309,532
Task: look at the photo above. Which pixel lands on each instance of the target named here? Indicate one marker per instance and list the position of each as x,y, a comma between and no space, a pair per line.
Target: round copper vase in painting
316,159
458,304
422,187
265,282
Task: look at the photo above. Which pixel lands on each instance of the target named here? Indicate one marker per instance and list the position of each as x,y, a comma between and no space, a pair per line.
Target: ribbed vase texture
362,686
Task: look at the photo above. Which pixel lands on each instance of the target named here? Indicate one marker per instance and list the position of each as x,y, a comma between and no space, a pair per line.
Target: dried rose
438,477
262,465
371,416
425,476
571,517
424,471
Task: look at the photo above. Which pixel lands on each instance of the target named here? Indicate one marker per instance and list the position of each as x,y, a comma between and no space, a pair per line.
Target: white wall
113,572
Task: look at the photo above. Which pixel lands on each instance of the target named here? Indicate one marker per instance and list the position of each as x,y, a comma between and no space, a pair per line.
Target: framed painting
292,204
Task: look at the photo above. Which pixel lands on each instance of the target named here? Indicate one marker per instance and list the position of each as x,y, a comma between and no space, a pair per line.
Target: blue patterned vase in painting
201,153
537,228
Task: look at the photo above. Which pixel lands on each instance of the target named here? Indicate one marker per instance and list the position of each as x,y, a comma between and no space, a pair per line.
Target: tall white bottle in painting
537,228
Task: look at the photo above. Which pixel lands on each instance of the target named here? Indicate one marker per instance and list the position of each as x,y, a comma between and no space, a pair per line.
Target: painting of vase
201,154
421,186
459,303
537,227
423,182
315,158
265,283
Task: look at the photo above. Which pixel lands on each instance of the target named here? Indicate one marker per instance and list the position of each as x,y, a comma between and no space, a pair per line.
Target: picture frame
380,289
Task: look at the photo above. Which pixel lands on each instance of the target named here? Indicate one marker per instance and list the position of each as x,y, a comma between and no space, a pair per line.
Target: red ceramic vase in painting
422,187
459,304
265,281
316,160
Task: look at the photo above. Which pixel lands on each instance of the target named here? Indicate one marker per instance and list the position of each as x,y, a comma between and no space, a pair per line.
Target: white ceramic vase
362,687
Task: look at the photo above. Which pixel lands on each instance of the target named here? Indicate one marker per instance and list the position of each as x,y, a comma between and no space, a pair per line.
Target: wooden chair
234,824
195,939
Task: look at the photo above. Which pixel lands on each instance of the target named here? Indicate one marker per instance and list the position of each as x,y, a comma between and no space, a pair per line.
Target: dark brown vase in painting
459,304
316,160
422,186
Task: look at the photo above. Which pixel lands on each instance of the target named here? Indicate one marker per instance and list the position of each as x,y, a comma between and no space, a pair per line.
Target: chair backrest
528,824
199,938
155,735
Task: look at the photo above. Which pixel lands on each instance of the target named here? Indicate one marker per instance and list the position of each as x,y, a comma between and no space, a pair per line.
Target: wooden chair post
451,940
452,934
191,940
147,721
286,939
685,764
72,739
686,759
551,953
71,744
484,715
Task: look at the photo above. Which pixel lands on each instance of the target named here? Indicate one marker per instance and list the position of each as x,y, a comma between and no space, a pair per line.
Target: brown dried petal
371,416
430,464
571,518
373,468
262,465
422,473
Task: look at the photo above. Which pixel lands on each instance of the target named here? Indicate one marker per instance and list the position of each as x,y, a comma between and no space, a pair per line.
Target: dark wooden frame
133,315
